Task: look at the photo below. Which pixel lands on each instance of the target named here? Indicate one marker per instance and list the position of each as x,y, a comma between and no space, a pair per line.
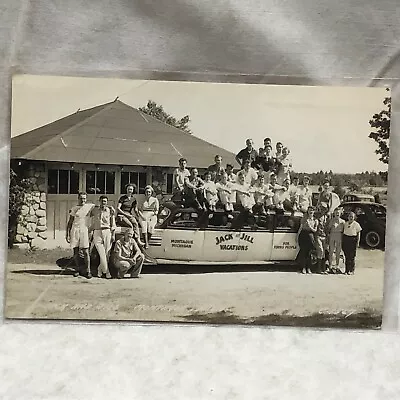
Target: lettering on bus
285,246
220,241
182,243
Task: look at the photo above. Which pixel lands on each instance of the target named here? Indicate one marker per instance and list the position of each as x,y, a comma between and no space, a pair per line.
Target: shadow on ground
362,320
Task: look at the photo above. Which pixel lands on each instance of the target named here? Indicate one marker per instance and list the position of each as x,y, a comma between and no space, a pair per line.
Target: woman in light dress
147,212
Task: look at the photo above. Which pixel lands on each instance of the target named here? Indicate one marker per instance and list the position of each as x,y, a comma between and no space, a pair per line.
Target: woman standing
350,242
305,239
148,211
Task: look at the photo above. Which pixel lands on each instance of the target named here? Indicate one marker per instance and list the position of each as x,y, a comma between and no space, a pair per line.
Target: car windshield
378,211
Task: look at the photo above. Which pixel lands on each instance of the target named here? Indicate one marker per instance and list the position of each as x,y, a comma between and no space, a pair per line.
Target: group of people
328,235
262,183
90,225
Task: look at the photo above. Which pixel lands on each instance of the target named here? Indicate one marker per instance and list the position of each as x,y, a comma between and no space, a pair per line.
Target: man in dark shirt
216,169
248,153
265,161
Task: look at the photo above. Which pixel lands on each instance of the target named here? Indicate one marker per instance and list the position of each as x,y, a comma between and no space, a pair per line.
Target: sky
325,128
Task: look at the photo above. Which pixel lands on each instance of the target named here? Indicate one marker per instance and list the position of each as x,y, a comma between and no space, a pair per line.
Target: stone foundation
32,224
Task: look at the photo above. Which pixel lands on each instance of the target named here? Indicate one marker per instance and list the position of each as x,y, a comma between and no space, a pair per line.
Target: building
98,151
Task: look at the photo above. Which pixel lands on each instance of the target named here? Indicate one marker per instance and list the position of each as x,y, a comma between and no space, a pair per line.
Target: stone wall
32,224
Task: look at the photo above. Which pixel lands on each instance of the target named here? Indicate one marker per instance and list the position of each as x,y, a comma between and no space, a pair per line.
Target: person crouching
127,257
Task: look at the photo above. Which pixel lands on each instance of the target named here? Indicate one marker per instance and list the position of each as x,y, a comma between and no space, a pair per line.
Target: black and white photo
176,201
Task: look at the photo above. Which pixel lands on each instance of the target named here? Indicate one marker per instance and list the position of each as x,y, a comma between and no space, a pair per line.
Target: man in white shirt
350,242
77,232
179,179
249,173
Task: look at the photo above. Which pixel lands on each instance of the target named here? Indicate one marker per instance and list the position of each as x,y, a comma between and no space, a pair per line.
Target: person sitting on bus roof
248,153
179,176
244,193
216,169
249,173
278,154
294,192
267,142
245,201
232,179
284,167
265,162
288,203
211,193
224,189
262,195
194,191
305,195
278,191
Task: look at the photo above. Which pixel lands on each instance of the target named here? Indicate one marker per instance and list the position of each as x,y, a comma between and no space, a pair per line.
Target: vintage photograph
176,201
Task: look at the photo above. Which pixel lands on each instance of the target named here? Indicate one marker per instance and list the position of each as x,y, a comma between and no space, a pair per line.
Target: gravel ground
35,288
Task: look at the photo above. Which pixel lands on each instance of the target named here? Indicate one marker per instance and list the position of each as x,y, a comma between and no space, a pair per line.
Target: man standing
248,153
103,226
77,233
180,176
267,143
217,170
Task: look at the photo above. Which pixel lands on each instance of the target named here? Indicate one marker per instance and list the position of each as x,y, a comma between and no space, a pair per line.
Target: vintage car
372,218
182,236
361,197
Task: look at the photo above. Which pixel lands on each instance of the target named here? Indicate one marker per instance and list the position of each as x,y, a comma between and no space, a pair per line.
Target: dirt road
245,294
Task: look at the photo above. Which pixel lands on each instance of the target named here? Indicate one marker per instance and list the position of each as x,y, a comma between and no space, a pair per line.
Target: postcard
177,201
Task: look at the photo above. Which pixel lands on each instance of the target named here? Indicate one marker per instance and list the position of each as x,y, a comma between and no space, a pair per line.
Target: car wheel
373,239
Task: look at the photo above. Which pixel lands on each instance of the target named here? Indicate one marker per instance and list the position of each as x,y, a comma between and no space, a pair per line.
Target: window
185,219
62,181
100,182
378,211
138,178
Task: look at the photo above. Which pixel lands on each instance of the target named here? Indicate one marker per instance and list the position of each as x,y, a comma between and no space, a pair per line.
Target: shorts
148,222
79,237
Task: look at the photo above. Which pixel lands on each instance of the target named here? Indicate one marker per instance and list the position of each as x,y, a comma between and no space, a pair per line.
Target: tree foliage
157,111
381,124
18,188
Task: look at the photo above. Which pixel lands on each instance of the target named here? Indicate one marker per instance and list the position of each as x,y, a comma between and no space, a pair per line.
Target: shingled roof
114,133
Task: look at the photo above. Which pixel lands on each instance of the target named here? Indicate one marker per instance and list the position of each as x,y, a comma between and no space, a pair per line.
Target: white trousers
102,241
